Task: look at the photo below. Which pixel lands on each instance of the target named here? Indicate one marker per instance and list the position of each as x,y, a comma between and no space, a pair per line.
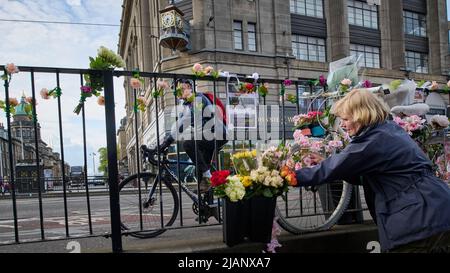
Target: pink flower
13,102
367,84
287,82
298,134
298,166
135,83
197,67
101,100
316,146
434,85
86,89
322,80
11,68
30,100
44,93
162,84
209,69
346,82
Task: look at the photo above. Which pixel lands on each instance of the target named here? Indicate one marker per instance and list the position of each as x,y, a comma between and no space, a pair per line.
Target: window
237,32
362,14
370,55
251,36
414,24
308,48
416,61
313,8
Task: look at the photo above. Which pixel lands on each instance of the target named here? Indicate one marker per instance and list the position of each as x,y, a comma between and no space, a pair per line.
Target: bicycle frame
169,177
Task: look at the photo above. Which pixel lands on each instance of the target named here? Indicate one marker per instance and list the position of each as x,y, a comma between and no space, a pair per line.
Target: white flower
439,121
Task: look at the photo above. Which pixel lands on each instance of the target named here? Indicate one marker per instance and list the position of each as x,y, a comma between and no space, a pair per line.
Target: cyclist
207,129
407,201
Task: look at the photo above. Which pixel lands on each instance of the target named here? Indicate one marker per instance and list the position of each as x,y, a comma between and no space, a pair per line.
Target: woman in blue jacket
410,205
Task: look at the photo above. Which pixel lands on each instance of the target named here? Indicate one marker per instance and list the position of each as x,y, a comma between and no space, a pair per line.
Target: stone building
280,39
23,143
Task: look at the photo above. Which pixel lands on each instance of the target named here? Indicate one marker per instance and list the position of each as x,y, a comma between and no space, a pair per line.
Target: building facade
24,147
280,39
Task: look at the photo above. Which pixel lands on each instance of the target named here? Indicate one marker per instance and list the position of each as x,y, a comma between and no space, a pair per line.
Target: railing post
113,172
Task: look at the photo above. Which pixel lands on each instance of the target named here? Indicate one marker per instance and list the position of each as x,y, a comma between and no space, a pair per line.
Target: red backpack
222,113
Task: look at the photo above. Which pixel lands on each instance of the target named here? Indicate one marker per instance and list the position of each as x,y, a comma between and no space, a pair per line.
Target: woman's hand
316,158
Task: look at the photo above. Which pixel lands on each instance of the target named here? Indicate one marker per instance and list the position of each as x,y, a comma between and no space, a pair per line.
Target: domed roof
20,109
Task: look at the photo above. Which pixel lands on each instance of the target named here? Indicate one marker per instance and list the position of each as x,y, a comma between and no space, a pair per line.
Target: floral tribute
199,71
255,176
13,103
422,132
311,118
106,59
9,70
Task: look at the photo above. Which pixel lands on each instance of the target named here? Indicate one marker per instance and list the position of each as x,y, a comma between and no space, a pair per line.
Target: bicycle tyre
298,223
129,203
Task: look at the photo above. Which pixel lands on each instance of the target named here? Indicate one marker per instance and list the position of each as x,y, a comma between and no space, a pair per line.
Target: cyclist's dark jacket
209,120
408,202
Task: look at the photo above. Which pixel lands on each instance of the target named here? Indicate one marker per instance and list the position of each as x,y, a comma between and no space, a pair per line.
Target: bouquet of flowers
244,162
311,118
106,59
226,185
300,151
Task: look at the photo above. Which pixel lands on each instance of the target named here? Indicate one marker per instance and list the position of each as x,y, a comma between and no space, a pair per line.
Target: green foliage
395,84
103,158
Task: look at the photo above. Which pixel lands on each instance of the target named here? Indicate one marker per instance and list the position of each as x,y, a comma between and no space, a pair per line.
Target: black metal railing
64,183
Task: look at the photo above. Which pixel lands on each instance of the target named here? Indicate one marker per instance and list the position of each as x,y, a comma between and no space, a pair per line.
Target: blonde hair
362,107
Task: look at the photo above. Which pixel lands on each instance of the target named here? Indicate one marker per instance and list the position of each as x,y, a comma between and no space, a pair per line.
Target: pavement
354,238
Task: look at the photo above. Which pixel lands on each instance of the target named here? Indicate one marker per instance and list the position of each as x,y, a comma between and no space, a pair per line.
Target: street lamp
93,161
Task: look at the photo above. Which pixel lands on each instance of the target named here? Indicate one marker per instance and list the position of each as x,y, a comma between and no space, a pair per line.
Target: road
78,220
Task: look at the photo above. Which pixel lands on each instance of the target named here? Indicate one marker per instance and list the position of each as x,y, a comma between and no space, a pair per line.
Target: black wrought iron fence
241,139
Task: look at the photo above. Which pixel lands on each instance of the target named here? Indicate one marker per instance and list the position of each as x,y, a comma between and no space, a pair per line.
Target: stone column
437,36
392,36
338,41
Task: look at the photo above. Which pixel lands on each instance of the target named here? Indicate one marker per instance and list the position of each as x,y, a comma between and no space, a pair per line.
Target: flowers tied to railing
106,60
8,71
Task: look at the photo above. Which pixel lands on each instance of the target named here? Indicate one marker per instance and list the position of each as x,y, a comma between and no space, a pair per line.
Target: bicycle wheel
145,219
307,210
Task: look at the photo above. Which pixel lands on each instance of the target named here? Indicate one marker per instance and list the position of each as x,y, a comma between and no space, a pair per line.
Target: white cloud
74,2
61,45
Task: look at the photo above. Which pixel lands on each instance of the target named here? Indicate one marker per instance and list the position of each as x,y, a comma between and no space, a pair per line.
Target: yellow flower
246,181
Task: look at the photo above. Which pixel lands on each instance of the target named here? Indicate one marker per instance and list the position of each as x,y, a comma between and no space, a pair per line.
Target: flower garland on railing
285,83
200,72
246,88
161,87
55,93
136,83
106,60
9,70
263,89
14,102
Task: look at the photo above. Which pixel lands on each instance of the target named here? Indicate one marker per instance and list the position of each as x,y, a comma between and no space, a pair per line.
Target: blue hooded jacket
407,202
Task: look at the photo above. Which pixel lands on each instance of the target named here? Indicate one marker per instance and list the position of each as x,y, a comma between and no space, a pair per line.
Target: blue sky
61,45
